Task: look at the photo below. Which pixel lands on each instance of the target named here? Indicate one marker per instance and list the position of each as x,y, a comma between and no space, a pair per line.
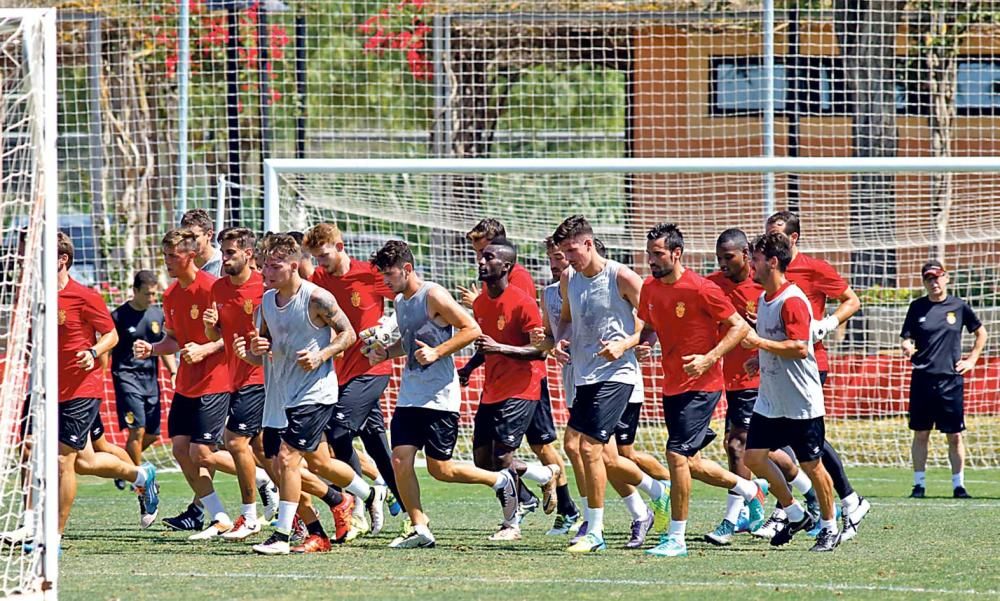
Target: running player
426,415
208,258
696,325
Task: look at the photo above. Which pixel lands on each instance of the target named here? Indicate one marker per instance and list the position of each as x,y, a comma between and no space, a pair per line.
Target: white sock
850,503
422,529
734,504
794,512
502,478
538,473
213,505
595,525
380,481
919,478
801,483
958,479
677,528
653,488
249,512
286,516
359,507
140,477
830,525
635,506
583,503
744,488
261,478
359,488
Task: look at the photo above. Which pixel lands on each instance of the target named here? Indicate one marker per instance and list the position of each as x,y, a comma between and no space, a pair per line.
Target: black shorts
542,429
271,440
246,411
503,423
627,425
356,401
76,418
598,408
739,408
306,426
202,418
688,416
937,400
375,422
432,430
137,411
804,436
97,428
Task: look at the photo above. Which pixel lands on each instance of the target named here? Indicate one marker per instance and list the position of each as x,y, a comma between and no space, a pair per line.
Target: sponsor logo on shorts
815,450
195,312
679,310
207,436
603,433
73,438
302,442
339,415
951,318
242,426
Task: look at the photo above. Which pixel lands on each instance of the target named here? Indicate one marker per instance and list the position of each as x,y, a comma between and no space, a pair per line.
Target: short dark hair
144,277
394,253
299,236
734,236
791,222
571,227
200,218
281,245
488,228
549,243
669,232
182,239
600,247
64,246
244,237
774,245
505,243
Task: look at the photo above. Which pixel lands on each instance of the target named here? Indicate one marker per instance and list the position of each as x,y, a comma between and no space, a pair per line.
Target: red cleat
314,543
342,517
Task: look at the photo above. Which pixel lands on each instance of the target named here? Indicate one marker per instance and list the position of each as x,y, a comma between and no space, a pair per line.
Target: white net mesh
22,200
876,229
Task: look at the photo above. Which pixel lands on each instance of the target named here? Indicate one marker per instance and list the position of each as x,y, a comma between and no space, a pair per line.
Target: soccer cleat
638,531
743,522
150,496
359,527
276,544
785,529
852,521
580,533
918,492
342,514
812,507
393,503
299,531
216,528
242,529
507,532
120,484
671,545
189,519
549,500
661,511
722,535
314,543
770,527
826,541
268,494
405,528
960,493
523,509
376,508
563,524
508,497
414,540
589,543
756,506
17,536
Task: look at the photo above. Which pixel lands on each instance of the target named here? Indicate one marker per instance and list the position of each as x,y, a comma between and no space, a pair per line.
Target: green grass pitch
936,548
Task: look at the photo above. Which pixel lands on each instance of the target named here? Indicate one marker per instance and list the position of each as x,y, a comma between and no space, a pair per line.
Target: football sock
596,523
502,478
140,477
213,505
830,525
745,488
734,504
249,512
316,527
260,477
850,503
564,501
677,528
635,506
653,488
919,478
835,466
380,481
956,480
359,488
537,473
801,482
333,497
286,516
794,512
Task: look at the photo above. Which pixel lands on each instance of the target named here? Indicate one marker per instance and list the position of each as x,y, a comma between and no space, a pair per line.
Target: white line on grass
589,581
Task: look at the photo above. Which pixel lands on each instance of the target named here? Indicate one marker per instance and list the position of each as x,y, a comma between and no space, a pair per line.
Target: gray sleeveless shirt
600,313
291,330
433,386
552,297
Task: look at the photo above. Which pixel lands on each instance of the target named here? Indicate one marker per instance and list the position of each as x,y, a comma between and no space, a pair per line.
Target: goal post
28,304
875,220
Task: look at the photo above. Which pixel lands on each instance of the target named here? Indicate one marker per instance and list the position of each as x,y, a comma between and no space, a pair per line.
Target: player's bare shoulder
324,310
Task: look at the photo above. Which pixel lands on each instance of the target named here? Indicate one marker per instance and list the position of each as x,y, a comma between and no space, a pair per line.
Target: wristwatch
93,353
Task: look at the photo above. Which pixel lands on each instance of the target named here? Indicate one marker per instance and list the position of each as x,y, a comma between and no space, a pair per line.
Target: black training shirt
936,328
130,374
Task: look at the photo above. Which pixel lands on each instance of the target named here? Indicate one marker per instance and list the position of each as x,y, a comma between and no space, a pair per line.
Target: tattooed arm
324,311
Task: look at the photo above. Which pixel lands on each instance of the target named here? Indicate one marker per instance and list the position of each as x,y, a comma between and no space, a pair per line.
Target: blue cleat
150,496
671,545
394,506
756,506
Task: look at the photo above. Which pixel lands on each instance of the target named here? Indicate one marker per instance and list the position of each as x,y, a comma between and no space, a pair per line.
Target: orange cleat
342,517
314,543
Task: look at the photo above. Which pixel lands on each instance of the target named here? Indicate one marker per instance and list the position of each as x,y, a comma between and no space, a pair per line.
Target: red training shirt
182,309
236,306
686,317
520,278
361,293
794,314
82,316
508,319
818,281
744,297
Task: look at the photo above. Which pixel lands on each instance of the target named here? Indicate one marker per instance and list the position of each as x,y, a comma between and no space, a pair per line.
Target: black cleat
787,529
918,492
189,519
826,541
961,493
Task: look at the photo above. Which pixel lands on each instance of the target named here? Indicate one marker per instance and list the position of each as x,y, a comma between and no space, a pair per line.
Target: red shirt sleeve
717,303
827,280
97,314
795,314
521,279
530,315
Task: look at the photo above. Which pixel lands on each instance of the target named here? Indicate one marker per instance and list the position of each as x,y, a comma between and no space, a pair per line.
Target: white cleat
414,540
268,493
242,529
215,529
273,546
507,532
770,526
376,508
851,522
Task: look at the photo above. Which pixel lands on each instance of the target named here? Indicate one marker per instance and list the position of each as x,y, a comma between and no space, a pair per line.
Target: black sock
316,528
333,497
564,501
525,495
834,465
282,536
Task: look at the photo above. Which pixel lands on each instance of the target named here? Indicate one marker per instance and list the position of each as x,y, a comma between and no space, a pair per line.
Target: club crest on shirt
194,312
154,327
62,317
355,299
248,306
501,323
950,318
751,307
680,309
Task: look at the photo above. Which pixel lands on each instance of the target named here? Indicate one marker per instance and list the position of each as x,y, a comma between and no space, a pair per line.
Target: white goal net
28,482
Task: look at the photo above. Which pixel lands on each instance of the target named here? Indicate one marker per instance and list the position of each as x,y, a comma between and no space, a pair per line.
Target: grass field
936,548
